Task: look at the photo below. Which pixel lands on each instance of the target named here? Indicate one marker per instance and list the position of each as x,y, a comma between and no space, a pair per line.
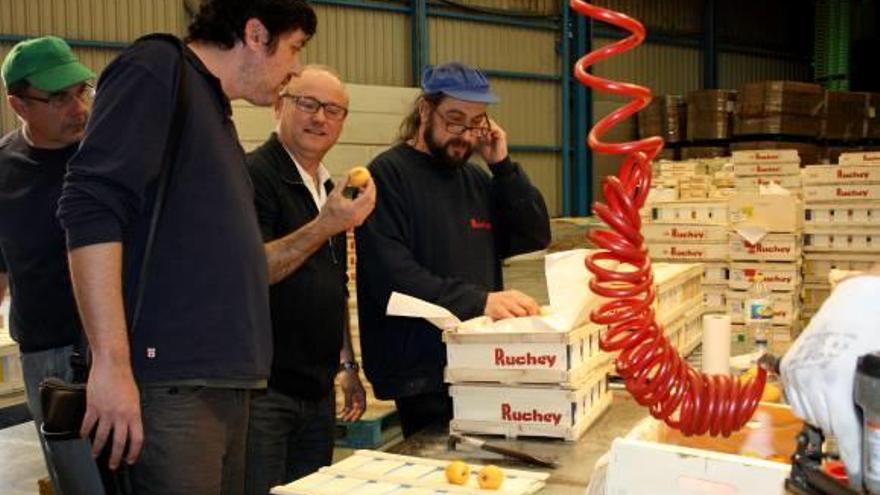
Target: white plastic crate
684,233
753,184
841,174
542,411
682,252
843,215
772,247
708,212
837,240
817,266
782,276
860,158
842,193
786,307
764,169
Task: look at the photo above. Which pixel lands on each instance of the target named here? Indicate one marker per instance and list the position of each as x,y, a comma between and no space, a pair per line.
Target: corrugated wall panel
669,15
493,47
735,70
545,172
545,7
529,111
104,20
664,69
366,47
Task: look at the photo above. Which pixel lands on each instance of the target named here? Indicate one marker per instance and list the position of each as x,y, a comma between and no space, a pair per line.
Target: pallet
377,427
372,473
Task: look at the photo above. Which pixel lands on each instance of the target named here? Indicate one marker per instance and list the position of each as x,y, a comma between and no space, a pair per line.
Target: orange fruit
458,472
358,177
491,477
772,393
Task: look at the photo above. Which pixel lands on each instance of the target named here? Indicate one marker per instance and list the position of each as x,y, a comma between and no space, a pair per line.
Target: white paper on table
567,286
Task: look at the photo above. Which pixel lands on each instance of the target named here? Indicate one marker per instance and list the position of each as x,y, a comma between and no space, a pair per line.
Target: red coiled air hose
653,371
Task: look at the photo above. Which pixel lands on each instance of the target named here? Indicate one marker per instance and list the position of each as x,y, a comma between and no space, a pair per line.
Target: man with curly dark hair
172,397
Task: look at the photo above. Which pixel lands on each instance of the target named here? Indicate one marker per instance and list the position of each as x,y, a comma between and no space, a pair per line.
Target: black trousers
417,412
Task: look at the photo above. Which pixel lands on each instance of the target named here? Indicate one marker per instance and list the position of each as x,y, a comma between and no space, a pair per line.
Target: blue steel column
583,119
710,50
565,46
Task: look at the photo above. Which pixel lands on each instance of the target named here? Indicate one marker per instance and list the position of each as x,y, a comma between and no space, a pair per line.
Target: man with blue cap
440,229
48,88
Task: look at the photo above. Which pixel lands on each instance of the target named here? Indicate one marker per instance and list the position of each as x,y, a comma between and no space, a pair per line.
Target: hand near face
493,145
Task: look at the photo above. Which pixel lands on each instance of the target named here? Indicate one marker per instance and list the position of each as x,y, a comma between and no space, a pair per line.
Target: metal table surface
575,459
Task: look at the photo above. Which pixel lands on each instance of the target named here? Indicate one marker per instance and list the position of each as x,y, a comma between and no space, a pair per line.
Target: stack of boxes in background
664,117
709,121
842,226
766,238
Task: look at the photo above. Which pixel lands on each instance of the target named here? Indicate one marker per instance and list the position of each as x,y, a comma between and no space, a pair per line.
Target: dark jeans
194,441
420,411
288,438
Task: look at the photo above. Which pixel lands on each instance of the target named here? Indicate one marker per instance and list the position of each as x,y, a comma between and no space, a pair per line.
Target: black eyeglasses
459,129
309,104
61,99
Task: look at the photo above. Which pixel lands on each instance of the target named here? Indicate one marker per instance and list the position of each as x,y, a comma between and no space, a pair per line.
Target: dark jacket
205,313
309,307
438,234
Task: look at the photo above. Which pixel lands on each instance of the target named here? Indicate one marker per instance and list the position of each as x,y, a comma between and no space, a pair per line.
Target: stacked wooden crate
692,231
766,238
533,380
842,221
11,379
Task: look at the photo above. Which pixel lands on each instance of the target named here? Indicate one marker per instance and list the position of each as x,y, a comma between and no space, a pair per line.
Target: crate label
765,156
527,359
859,158
842,192
533,415
695,233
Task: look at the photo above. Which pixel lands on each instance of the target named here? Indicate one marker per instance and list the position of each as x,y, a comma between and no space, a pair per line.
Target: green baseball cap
46,63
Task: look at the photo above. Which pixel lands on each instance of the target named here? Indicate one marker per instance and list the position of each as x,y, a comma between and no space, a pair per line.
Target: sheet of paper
413,307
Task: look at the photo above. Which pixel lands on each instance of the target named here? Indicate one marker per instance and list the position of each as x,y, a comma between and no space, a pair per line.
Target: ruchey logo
527,359
677,233
675,251
848,193
766,156
852,175
768,169
533,416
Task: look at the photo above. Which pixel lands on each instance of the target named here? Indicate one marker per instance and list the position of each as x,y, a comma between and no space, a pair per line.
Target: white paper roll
716,344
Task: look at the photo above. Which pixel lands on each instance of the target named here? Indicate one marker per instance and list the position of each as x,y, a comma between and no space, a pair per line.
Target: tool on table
455,439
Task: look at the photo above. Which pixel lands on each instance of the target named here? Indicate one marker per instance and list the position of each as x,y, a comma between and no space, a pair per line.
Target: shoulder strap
172,144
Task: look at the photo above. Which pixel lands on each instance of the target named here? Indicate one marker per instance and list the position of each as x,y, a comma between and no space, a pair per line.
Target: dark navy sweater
205,313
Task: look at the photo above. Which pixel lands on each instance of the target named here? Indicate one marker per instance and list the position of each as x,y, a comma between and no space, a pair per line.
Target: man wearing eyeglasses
291,430
441,227
48,88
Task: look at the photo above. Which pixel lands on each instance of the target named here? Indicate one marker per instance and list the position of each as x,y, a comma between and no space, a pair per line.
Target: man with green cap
48,88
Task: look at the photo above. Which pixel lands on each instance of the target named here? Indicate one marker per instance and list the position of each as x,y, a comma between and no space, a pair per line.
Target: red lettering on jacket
480,224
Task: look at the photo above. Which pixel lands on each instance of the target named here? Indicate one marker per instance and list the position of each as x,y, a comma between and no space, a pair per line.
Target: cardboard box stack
842,221
779,107
664,117
710,114
846,115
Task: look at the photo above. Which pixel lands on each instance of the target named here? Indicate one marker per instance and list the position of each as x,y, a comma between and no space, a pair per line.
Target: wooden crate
841,193
814,295
764,169
716,273
753,184
842,240
536,410
715,298
708,212
687,233
369,472
780,276
817,266
765,156
841,215
780,336
786,306
841,174
566,359
859,158
773,247
669,463
772,212
681,252
11,378
686,332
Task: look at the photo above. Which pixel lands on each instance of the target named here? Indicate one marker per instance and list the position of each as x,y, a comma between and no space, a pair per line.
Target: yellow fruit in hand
491,477
358,177
772,393
458,472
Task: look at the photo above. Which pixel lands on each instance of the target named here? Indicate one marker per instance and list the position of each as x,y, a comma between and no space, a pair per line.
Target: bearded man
441,228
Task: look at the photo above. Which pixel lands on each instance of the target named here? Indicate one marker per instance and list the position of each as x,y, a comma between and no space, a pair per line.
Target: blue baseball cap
458,81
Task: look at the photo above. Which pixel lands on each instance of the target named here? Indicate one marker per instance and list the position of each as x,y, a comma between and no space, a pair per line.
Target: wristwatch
349,366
